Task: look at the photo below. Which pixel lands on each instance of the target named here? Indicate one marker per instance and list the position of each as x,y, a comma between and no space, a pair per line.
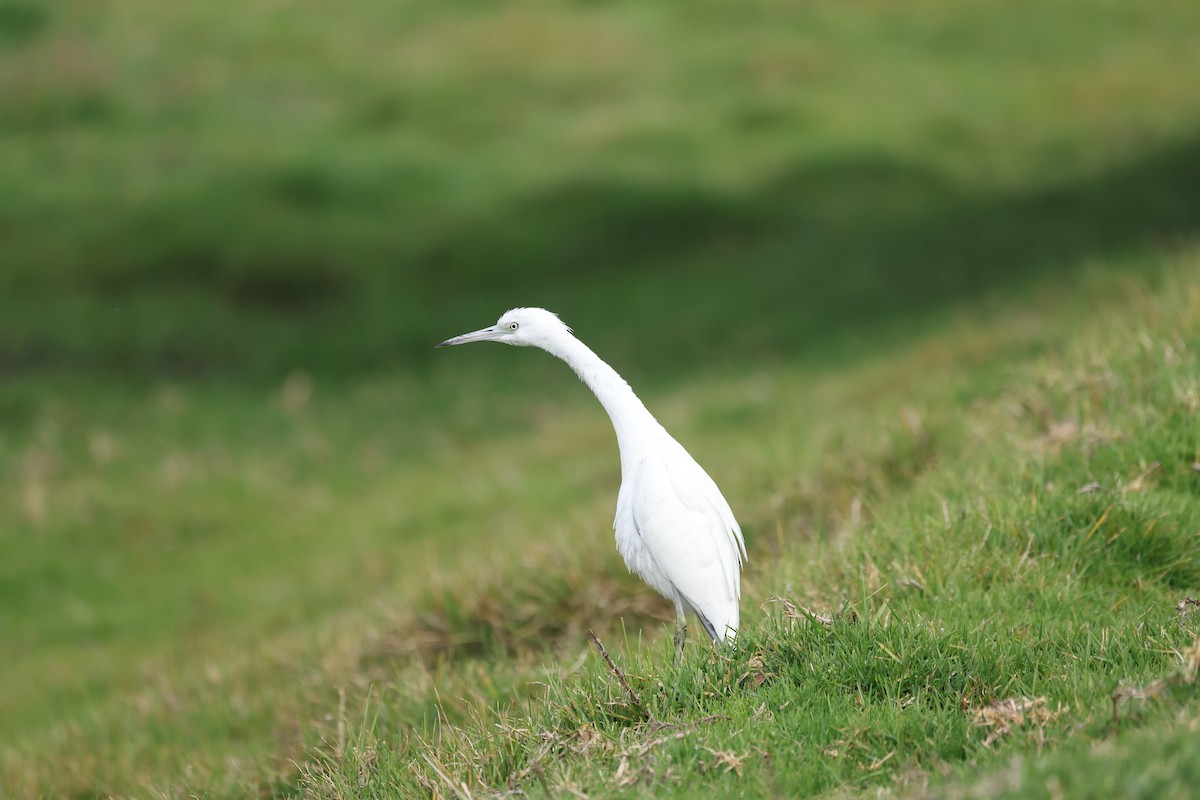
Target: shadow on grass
829,250
825,250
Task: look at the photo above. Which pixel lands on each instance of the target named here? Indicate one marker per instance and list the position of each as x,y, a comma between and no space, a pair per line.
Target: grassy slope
200,553
978,577
1029,590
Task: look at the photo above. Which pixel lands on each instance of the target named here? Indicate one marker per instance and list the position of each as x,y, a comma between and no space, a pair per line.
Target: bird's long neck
633,423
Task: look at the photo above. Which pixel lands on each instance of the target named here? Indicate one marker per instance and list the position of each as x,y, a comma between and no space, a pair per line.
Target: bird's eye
512,326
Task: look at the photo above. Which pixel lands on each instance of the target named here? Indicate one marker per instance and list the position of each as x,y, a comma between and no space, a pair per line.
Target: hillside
917,286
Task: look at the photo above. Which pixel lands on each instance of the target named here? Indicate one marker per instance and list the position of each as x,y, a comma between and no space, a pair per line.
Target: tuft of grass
796,706
541,605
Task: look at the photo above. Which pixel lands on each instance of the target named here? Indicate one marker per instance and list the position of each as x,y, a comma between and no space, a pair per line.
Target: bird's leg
680,628
680,639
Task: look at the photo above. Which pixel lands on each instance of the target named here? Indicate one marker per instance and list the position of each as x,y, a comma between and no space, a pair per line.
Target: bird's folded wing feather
688,528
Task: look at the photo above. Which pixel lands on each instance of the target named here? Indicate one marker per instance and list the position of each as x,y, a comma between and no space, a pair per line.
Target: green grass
916,285
229,188
977,579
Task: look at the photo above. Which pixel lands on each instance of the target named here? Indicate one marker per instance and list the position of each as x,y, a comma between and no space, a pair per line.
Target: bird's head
524,327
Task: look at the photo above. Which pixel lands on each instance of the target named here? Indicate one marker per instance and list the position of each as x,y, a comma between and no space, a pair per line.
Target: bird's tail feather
708,626
727,628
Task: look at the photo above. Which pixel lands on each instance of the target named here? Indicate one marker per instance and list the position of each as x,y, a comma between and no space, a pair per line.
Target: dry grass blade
655,725
793,611
459,791
1190,669
1147,692
1185,675
727,761
639,749
1003,716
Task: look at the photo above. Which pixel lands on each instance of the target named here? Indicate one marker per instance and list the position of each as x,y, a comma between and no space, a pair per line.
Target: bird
674,528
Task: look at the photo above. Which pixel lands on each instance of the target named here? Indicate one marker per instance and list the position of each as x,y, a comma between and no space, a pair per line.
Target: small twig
617,671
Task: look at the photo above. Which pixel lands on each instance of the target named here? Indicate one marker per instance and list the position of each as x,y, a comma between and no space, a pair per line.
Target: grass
917,286
1005,529
984,611
183,182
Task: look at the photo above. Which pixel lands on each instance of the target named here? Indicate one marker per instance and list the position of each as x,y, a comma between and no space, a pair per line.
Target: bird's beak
481,335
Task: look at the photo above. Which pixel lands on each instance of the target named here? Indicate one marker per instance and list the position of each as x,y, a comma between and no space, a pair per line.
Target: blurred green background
231,232
211,189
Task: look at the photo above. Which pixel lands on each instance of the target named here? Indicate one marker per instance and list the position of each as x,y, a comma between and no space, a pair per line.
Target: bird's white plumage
674,528
689,535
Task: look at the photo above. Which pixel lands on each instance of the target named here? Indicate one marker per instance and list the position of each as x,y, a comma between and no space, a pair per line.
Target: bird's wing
689,530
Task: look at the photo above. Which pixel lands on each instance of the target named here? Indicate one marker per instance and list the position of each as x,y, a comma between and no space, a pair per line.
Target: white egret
673,526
